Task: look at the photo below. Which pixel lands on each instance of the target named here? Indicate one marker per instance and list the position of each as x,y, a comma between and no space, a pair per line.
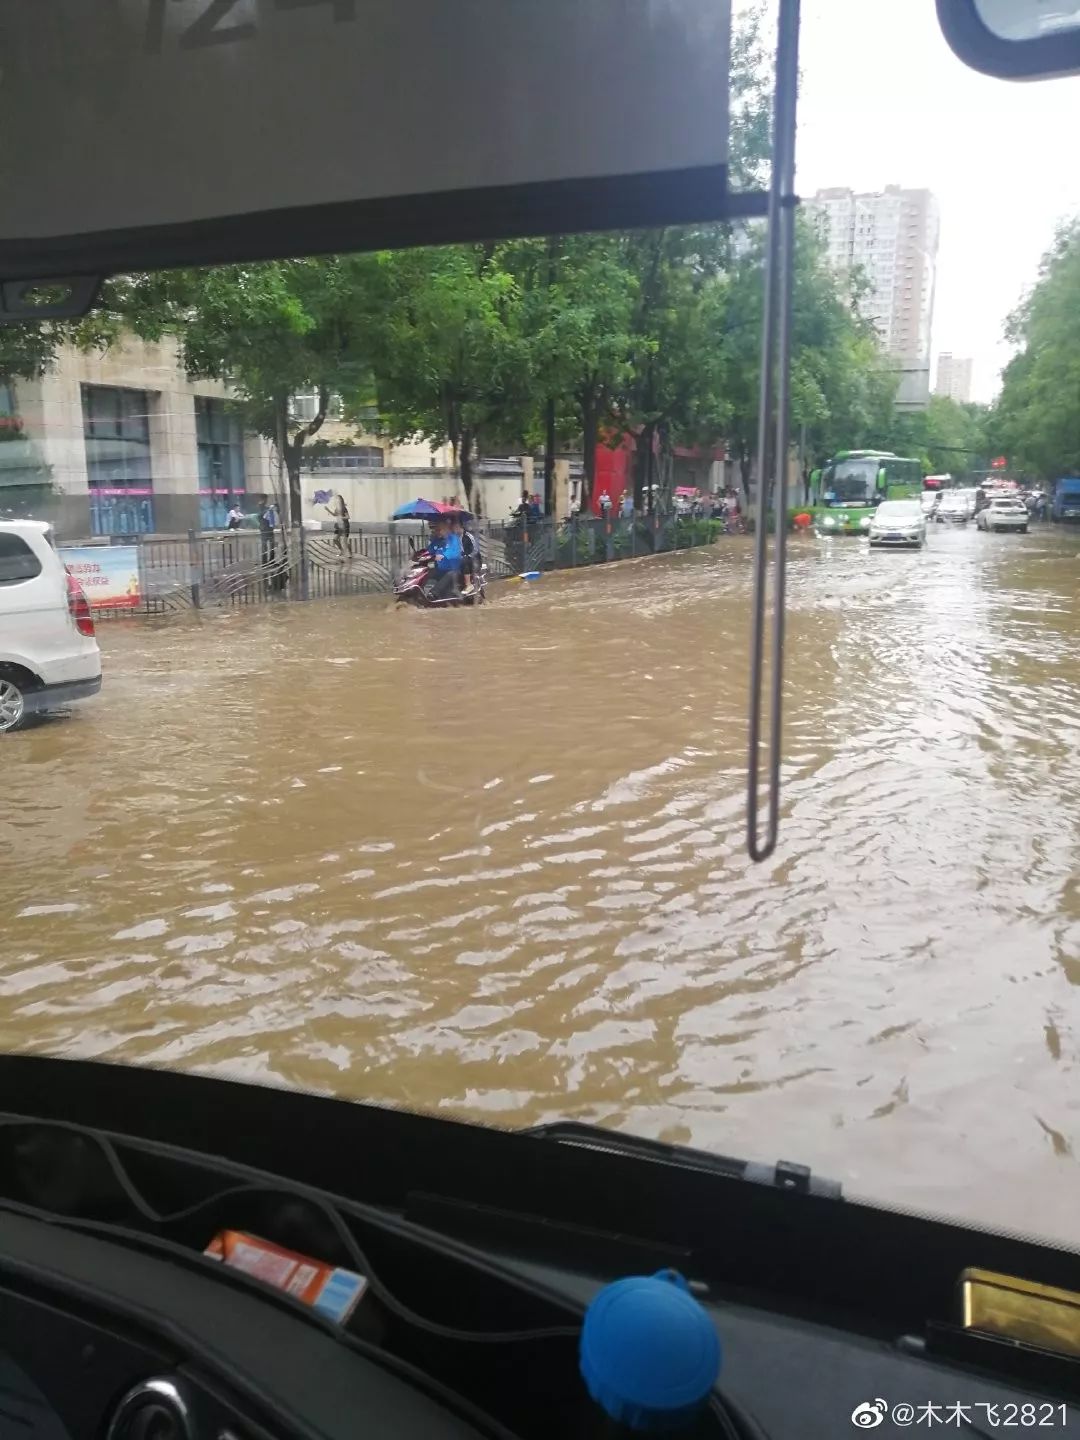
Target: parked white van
48,654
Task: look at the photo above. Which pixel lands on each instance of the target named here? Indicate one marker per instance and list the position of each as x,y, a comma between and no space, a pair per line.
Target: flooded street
493,863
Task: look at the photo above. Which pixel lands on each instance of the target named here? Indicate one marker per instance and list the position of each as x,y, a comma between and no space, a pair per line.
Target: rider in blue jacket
446,553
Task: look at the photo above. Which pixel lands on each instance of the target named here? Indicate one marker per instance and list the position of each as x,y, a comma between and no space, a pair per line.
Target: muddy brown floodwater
492,863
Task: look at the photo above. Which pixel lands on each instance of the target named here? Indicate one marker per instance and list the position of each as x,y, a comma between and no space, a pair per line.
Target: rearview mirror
1014,39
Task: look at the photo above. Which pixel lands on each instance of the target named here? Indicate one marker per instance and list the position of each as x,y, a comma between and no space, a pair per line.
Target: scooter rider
446,557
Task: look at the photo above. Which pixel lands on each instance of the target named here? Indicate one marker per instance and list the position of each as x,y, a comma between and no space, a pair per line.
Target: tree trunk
643,468
292,465
590,425
465,469
640,470
549,458
666,476
289,457
292,450
744,474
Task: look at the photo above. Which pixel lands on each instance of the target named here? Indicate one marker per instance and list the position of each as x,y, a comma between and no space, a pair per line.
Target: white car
898,523
930,500
48,654
1004,513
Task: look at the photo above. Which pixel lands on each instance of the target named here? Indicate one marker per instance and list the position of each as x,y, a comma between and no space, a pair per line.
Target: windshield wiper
784,1175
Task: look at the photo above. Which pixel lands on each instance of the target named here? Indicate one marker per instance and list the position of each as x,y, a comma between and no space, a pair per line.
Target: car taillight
78,607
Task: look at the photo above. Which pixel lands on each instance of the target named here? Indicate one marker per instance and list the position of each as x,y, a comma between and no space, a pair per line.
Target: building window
220,438
116,432
304,406
355,457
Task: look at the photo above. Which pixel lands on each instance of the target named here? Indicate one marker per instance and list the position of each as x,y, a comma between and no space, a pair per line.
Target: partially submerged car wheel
14,710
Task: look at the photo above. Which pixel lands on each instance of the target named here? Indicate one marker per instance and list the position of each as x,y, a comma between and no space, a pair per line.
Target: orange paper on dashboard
327,1289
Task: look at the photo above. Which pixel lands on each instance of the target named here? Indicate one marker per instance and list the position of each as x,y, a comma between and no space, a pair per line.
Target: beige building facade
123,441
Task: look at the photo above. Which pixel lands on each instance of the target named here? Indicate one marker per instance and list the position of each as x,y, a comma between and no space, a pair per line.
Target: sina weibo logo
869,1415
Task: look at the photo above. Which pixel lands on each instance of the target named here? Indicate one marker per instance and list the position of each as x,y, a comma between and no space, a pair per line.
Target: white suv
48,654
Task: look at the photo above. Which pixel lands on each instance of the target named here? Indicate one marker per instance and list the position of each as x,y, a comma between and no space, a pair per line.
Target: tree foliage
449,356
1036,421
577,298
949,438
272,331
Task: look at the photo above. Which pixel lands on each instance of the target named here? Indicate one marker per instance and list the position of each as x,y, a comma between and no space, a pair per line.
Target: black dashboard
482,1251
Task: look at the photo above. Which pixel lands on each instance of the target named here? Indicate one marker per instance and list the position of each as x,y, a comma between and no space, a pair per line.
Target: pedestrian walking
268,521
342,529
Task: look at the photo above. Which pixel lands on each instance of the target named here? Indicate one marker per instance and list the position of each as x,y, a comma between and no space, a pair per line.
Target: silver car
898,524
955,508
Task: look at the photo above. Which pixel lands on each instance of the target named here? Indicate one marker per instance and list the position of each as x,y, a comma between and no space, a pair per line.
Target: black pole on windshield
774,433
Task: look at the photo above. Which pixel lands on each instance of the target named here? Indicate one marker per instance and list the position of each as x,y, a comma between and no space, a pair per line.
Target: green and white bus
853,483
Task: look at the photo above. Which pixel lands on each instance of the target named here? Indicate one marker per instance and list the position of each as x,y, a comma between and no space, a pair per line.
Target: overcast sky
884,101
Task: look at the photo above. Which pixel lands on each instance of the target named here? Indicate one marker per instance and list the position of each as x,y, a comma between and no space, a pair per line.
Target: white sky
885,101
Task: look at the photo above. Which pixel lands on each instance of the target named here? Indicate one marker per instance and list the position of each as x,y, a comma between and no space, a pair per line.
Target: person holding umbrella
445,548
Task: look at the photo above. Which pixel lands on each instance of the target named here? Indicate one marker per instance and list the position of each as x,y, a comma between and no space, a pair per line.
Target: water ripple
504,875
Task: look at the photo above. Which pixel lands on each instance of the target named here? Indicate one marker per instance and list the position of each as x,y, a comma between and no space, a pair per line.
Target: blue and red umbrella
417,510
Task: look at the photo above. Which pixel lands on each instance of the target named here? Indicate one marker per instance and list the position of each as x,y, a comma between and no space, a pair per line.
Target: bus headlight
864,524
828,523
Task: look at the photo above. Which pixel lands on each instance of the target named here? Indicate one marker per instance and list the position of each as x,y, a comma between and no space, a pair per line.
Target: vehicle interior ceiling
480,1250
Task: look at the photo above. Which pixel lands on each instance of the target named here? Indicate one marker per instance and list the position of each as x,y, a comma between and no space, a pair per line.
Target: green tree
841,391
949,438
271,331
577,299
450,358
692,300
675,386
1036,420
750,91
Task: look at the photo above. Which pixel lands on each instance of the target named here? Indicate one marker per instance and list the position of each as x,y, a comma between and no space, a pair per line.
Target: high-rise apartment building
953,377
892,237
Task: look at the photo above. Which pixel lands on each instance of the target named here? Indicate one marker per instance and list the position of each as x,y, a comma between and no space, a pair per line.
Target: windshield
851,482
897,511
466,834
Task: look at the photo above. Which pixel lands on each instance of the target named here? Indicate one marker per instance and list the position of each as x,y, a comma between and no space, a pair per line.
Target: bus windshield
851,482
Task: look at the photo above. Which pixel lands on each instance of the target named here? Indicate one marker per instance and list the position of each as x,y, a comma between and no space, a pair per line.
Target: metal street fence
239,568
